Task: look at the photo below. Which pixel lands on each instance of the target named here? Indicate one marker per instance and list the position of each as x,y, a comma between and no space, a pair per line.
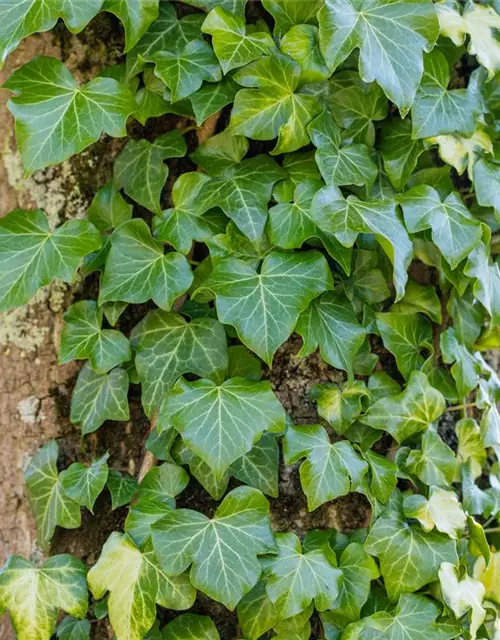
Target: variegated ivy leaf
345,219
222,551
330,324
32,256
409,558
340,406
55,118
454,230
471,445
330,470
220,423
489,575
264,307
51,505
288,13
479,23
34,595
167,347
442,510
273,105
109,209
167,33
409,412
465,366
391,38
83,484
136,583
400,152
406,336
140,169
135,16
73,629
295,579
137,269
232,45
435,463
340,164
462,152
21,18
301,43
83,337
189,626
184,71
292,224
184,222
463,595
98,397
155,498
438,110
122,488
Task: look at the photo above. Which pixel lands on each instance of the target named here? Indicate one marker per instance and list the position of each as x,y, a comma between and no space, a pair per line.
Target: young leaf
137,269
231,44
84,484
273,106
409,558
33,596
383,476
288,13
140,169
329,471
330,324
56,119
82,338
221,423
121,487
135,582
400,152
259,305
408,413
212,98
466,368
51,505
73,629
214,484
391,38
135,17
301,43
32,256
442,510
189,626
108,209
297,578
223,551
259,468
340,407
256,613
167,347
99,397
435,463
463,595
489,574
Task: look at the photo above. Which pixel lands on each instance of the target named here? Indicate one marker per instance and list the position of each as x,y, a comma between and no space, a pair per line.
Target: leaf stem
459,407
191,127
492,530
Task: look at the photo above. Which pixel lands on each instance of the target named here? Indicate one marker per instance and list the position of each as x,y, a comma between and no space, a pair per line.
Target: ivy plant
322,172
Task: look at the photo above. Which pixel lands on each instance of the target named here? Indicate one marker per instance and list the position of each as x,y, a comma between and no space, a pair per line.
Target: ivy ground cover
348,197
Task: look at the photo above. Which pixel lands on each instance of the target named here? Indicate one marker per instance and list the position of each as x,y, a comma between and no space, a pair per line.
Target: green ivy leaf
296,579
135,582
465,367
259,305
437,110
330,470
383,476
420,298
223,551
188,626
137,269
487,183
330,324
23,18
487,279
391,38
72,117
243,364
140,169
358,570
51,505
72,629
185,70
154,499
340,165
98,397
259,468
400,152
435,463
210,99
122,488
355,108
83,484
221,423
405,336
233,244
167,347
454,230
215,485
108,209
345,219
409,557
34,595
232,45
287,13
82,338
301,43
272,105
136,17
409,412
184,222
340,406
256,613
32,256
